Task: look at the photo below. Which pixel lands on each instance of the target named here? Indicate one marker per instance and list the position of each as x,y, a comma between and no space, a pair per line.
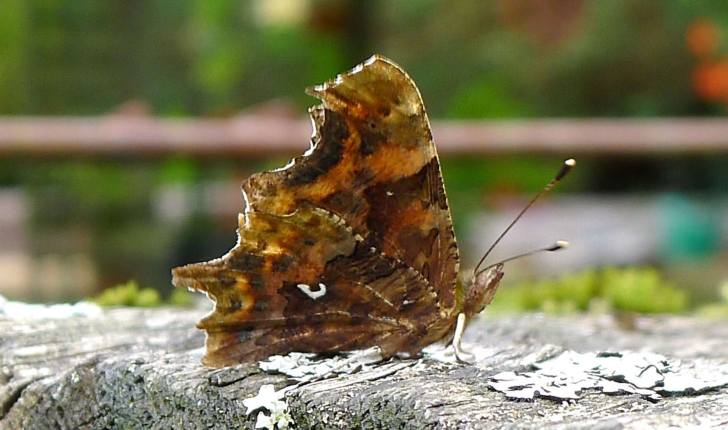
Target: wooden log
133,368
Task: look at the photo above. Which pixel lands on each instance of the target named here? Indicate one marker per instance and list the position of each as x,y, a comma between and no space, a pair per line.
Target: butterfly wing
318,296
374,163
350,245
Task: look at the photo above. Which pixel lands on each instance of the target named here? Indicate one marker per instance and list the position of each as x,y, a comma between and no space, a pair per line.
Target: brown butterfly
351,244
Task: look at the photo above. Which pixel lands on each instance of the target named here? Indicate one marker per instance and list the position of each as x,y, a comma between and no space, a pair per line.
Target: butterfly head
481,289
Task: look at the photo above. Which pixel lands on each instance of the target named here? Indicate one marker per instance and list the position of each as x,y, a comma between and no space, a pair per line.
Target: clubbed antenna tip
565,169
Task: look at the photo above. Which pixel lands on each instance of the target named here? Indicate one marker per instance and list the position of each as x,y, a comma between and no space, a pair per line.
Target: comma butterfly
350,245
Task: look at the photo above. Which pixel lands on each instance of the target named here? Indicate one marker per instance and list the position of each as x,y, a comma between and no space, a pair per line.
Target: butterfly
350,245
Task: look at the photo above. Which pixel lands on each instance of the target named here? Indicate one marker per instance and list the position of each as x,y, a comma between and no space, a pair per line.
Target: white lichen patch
567,375
32,311
270,400
302,366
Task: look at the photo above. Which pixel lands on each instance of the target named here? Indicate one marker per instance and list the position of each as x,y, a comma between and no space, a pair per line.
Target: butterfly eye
384,112
372,125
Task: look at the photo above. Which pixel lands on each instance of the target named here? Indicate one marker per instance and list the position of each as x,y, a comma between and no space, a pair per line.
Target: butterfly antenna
559,244
565,169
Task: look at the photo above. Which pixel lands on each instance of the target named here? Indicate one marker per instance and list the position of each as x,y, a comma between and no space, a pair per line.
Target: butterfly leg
460,355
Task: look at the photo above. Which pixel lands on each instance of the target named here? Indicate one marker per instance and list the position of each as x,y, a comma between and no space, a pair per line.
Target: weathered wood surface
134,368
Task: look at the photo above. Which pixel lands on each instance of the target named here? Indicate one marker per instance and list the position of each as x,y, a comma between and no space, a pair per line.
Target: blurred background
126,128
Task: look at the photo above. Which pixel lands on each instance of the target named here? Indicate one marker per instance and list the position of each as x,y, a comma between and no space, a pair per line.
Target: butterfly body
351,244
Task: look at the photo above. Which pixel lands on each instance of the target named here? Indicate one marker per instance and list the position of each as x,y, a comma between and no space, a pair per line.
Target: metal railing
256,136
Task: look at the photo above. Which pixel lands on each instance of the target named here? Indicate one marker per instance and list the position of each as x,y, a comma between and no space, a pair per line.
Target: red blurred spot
711,81
702,38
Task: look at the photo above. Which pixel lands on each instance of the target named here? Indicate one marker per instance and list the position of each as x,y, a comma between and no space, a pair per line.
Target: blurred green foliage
471,60
109,209
474,183
635,289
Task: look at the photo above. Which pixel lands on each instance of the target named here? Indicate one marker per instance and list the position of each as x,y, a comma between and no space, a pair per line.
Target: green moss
570,293
636,289
715,311
181,298
641,290
718,310
129,294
